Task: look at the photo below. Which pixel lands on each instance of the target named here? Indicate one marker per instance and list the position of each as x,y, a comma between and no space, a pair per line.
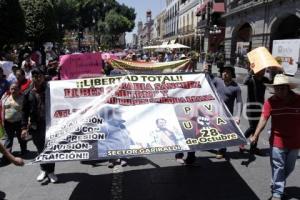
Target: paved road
156,177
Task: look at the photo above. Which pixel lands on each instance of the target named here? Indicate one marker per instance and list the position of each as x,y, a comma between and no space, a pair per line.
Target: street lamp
215,30
94,22
94,28
60,28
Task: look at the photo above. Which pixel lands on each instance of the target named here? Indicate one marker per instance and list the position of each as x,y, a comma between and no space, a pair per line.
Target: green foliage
117,23
65,13
12,22
40,21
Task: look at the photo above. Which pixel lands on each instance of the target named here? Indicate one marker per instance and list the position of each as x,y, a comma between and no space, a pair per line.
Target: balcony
186,30
202,23
237,3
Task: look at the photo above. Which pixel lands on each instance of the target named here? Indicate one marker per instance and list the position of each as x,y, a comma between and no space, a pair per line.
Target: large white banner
110,117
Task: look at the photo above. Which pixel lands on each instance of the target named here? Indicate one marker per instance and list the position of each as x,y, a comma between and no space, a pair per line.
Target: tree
40,21
108,17
116,24
12,22
65,13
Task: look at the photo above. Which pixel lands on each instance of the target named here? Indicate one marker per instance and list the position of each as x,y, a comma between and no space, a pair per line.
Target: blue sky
141,6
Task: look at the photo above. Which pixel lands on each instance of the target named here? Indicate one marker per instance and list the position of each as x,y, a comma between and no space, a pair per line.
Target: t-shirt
13,108
285,129
25,84
228,93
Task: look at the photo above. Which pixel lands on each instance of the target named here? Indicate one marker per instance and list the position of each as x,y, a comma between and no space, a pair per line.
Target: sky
141,6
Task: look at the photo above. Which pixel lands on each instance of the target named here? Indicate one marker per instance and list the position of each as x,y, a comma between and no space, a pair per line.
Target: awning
202,8
172,42
218,8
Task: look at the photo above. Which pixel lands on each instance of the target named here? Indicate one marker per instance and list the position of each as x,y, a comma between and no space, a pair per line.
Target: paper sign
260,58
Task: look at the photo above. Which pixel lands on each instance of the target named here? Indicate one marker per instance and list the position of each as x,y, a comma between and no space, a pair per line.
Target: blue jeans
282,163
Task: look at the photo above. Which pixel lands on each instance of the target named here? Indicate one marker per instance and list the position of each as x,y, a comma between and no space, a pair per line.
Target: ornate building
211,26
254,23
187,27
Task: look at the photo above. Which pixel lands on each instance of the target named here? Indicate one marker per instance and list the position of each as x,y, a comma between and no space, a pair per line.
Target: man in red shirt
284,108
21,80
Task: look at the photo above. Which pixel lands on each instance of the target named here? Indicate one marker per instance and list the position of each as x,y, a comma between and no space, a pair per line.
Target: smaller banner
127,67
82,65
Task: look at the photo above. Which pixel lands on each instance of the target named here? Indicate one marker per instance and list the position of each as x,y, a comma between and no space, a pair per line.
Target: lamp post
94,22
60,28
215,30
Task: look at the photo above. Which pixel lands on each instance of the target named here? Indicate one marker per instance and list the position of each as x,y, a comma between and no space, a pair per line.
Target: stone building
187,27
254,23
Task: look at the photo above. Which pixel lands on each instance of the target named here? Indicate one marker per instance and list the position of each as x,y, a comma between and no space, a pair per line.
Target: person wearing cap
230,92
34,120
284,108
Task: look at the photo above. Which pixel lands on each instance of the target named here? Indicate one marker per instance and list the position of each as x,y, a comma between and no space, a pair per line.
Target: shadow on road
292,193
2,195
209,181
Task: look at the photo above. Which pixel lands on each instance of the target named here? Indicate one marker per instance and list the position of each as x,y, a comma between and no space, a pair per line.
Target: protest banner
82,65
260,58
128,67
132,115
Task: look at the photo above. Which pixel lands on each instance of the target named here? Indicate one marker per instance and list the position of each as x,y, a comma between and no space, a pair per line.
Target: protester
284,140
12,76
28,65
230,92
12,110
34,120
22,81
255,99
15,160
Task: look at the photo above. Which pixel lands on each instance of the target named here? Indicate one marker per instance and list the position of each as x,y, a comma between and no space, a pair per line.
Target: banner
81,65
127,67
122,116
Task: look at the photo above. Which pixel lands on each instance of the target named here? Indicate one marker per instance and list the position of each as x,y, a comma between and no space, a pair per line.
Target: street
155,177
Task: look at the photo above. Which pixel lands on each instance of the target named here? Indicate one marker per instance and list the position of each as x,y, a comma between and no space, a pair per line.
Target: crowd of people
22,96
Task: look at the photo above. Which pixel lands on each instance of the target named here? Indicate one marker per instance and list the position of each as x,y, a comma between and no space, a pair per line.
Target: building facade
171,19
146,31
254,23
159,29
187,25
210,25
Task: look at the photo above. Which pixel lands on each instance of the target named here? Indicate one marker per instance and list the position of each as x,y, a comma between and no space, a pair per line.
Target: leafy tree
116,24
40,21
65,13
12,22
